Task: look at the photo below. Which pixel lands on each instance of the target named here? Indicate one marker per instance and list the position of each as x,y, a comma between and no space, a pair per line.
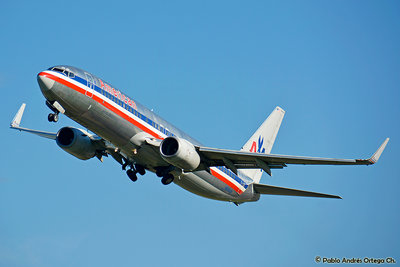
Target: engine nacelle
180,153
76,142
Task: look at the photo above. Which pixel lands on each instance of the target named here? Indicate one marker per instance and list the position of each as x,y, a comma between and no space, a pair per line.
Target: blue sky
216,69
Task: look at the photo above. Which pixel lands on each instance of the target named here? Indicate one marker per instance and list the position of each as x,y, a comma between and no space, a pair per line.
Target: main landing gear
167,177
132,172
132,175
140,169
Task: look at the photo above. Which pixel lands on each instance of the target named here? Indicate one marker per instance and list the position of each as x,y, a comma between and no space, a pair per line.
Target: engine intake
76,142
180,153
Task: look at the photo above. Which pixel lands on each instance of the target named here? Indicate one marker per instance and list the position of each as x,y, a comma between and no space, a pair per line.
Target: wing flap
275,190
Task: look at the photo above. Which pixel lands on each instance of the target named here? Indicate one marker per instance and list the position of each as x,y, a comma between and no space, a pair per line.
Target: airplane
141,141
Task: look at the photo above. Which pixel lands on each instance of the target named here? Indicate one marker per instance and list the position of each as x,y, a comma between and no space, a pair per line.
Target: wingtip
280,109
17,118
375,157
332,196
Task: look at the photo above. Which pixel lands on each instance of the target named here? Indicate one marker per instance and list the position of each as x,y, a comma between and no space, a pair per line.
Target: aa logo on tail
258,148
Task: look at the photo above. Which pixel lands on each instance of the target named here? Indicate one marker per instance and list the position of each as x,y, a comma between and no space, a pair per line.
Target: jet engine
180,153
76,142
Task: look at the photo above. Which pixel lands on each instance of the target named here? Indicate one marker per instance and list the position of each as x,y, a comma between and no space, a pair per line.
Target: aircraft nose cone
45,83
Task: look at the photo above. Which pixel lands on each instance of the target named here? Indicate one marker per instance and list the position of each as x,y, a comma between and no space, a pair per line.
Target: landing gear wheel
124,166
159,172
52,117
140,169
167,179
132,175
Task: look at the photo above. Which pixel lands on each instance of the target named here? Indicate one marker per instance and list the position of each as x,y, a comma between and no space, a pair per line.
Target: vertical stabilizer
263,140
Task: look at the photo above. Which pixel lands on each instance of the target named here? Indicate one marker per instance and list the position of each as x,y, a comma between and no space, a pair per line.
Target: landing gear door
90,84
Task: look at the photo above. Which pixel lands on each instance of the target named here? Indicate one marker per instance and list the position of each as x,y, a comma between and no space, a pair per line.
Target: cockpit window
66,72
57,69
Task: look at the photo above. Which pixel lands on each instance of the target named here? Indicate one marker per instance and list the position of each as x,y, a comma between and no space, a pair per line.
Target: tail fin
263,140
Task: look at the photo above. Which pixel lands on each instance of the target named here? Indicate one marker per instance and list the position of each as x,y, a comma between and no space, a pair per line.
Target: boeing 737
141,141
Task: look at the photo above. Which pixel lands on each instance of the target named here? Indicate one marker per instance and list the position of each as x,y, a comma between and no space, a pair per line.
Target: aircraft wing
246,160
17,121
103,146
15,124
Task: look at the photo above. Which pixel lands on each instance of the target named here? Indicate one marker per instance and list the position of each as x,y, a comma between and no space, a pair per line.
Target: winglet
15,124
377,154
17,119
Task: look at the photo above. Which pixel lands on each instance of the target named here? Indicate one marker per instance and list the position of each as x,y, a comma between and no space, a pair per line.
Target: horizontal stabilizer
274,190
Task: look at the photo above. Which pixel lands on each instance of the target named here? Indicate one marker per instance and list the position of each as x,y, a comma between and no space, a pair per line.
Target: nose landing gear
53,117
56,108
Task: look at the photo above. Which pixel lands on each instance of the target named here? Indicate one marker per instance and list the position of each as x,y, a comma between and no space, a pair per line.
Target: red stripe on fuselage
104,103
223,179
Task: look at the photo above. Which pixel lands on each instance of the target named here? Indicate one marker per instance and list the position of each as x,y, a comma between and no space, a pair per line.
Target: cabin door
90,85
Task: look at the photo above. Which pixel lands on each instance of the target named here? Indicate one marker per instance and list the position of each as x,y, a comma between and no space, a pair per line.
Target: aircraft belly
204,184
195,184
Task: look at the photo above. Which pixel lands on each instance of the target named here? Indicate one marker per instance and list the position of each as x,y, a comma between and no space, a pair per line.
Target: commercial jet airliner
142,141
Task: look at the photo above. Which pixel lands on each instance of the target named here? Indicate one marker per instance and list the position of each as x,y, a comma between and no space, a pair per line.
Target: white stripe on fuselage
228,177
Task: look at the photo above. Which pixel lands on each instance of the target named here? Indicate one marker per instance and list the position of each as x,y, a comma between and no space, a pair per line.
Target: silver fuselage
115,117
